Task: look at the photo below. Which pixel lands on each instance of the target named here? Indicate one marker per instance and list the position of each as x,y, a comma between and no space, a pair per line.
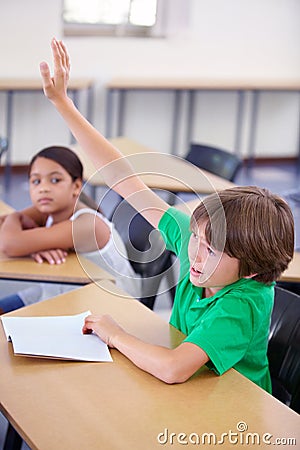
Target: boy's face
210,268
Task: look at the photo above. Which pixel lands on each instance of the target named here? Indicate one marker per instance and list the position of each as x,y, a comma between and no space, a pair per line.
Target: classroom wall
235,39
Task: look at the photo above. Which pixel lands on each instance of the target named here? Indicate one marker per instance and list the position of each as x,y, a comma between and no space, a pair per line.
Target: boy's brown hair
251,224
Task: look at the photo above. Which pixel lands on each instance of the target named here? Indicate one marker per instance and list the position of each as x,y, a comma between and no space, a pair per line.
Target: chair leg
13,440
148,301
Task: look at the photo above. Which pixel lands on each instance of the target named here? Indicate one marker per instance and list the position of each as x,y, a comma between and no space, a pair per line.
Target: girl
59,221
231,252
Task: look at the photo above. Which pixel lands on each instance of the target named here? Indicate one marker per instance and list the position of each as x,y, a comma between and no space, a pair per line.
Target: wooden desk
75,270
5,208
73,405
119,88
13,86
292,274
158,170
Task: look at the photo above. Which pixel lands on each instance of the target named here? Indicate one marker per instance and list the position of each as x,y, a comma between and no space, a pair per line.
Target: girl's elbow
4,248
8,248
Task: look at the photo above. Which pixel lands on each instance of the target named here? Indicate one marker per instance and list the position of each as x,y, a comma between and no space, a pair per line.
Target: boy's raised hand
55,88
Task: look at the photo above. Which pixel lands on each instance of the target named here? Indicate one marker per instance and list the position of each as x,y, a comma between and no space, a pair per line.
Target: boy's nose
198,255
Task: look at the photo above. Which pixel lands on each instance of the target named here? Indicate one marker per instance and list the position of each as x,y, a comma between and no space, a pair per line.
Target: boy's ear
251,276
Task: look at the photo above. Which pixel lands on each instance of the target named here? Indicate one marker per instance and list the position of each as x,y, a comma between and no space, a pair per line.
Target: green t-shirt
232,327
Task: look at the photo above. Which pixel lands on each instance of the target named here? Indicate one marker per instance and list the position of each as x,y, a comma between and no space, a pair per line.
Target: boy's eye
35,182
210,251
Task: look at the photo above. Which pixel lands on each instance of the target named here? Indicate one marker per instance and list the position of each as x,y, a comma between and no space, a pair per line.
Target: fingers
37,257
91,322
56,256
65,57
55,88
46,78
88,324
45,72
61,57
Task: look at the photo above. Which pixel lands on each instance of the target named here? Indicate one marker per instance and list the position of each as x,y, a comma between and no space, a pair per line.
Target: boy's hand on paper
104,326
55,256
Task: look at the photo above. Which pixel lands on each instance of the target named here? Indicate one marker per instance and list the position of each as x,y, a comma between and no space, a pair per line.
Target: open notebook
54,337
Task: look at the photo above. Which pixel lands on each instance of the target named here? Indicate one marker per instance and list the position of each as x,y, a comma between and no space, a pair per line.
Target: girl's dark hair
64,157
251,224
68,159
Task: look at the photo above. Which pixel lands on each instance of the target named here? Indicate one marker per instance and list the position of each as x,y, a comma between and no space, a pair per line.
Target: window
110,17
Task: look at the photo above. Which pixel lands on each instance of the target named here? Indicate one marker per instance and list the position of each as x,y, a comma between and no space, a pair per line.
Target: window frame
118,30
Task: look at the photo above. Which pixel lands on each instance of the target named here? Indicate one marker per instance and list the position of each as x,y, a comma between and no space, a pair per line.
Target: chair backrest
284,348
145,248
215,160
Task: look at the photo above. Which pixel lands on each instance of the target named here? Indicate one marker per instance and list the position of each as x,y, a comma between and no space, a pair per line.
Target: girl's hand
55,88
104,326
27,222
56,256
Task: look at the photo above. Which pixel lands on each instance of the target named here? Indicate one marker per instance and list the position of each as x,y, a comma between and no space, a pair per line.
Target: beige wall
237,39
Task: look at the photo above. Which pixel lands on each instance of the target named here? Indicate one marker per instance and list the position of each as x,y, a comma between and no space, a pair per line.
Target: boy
237,244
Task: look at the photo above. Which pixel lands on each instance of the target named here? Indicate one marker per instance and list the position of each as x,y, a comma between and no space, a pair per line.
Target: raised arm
115,169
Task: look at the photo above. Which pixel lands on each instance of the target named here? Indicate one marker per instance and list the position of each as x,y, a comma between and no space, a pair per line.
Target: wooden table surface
75,270
158,170
5,208
189,83
35,84
73,405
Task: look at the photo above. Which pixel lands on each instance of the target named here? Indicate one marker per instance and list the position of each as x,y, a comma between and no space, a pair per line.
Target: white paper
54,337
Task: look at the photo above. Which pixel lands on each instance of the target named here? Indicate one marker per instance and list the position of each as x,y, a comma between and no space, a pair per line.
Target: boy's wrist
62,103
115,341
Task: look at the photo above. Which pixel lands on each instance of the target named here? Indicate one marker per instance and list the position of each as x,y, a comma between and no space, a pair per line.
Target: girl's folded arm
14,241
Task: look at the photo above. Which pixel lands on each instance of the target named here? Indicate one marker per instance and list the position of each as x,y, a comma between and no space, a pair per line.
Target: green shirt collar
203,302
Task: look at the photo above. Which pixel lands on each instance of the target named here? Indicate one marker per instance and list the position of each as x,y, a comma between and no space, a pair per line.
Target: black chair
13,440
215,160
284,348
146,252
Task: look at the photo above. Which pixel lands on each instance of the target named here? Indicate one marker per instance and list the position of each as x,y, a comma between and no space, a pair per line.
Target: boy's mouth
195,272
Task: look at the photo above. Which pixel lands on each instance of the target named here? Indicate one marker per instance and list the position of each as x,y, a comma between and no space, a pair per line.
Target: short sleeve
175,229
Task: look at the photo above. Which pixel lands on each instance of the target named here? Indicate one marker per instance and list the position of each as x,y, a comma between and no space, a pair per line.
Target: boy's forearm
103,154
156,360
150,358
116,171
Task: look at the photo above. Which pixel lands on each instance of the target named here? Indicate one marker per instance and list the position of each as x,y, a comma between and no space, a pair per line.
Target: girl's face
210,268
51,187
